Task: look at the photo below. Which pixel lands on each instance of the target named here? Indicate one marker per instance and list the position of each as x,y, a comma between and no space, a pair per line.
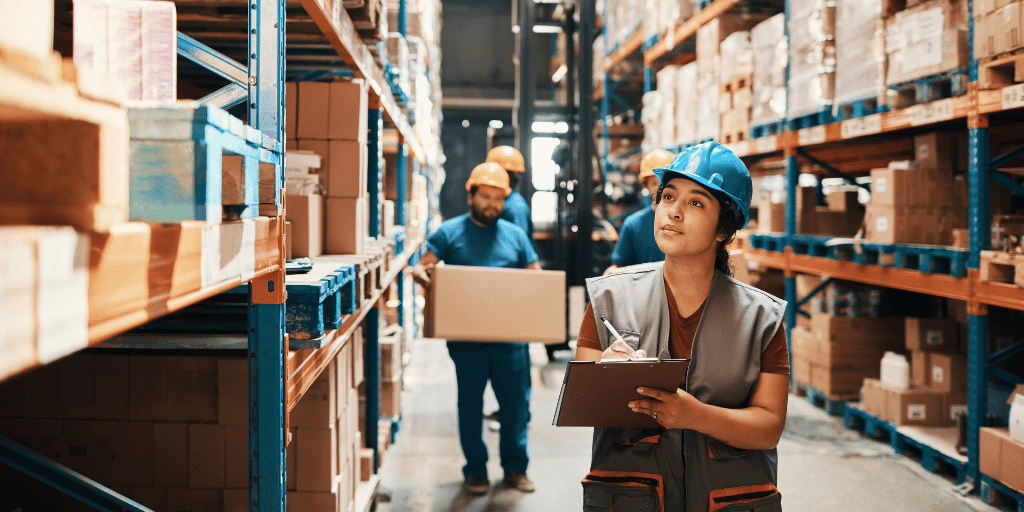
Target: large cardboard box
918,407
937,152
306,214
206,456
496,304
1016,419
930,334
318,406
872,397
771,217
316,455
349,107
1011,464
911,187
347,168
910,224
347,225
998,31
926,39
878,331
990,448
314,110
840,382
947,372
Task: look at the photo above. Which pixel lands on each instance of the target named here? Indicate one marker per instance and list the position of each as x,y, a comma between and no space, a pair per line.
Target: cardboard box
496,304
954,404
843,200
937,152
318,501
347,225
347,169
136,453
771,217
919,407
390,358
110,378
920,368
306,214
391,397
873,395
947,372
91,448
170,455
153,498
910,224
348,110
76,398
318,406
910,187
925,40
931,334
840,382
990,449
314,110
877,331
232,392
194,500
315,458
1011,463
206,456
236,456
998,32
119,260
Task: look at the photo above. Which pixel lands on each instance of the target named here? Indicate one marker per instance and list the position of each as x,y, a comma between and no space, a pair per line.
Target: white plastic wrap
650,116
667,86
926,39
768,40
860,51
812,56
686,104
737,56
708,122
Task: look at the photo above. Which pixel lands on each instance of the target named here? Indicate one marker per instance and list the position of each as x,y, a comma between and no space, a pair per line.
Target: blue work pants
507,365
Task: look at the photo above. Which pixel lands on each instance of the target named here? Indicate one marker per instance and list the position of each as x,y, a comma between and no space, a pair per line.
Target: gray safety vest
689,470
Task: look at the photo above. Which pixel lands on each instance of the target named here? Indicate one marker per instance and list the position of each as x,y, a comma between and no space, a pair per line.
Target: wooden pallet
53,133
1001,71
735,126
930,88
1001,267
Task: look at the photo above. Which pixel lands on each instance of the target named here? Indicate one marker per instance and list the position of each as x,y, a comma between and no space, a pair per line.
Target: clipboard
596,394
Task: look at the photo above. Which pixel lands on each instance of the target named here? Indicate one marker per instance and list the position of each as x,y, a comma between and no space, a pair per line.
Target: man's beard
482,217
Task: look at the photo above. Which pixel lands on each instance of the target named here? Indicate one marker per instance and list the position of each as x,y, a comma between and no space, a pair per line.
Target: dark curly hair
727,226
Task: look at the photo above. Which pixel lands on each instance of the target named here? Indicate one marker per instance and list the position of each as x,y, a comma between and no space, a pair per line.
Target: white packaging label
938,376
860,126
880,184
956,410
882,224
917,411
1013,96
810,136
934,112
766,144
934,337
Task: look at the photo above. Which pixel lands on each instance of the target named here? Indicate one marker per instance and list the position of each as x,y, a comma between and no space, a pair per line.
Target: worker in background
636,238
717,447
516,209
482,238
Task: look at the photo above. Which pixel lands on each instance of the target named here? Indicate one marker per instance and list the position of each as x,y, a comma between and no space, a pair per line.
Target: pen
614,332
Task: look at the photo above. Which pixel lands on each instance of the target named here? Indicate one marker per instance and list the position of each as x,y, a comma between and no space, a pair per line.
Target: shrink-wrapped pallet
667,86
686,104
711,35
927,39
860,52
812,57
768,40
737,56
708,122
650,116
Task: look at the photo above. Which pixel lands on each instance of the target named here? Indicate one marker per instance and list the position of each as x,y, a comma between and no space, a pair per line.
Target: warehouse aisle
822,465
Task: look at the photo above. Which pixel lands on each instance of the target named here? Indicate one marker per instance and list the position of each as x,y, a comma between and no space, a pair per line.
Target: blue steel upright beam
792,176
266,68
977,322
401,192
605,145
375,123
371,330
266,397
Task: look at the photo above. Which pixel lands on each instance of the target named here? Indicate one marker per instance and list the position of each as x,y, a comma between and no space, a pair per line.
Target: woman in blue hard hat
716,447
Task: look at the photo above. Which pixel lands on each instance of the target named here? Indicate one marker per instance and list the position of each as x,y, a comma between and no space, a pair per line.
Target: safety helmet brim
716,168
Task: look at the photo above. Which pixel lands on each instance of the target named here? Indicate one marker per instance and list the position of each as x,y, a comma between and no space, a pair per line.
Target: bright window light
496,124
544,208
550,127
543,167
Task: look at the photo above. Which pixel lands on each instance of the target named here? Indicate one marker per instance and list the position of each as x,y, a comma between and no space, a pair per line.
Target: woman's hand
670,410
620,350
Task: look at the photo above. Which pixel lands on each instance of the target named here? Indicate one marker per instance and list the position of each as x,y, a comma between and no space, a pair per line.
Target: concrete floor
822,464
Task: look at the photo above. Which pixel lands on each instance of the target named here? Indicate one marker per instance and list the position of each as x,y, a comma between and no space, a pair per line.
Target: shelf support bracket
1003,180
1006,353
212,60
1005,158
831,170
65,480
226,97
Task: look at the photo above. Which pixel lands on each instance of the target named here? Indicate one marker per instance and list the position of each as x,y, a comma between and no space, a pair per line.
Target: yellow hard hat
654,160
489,173
508,157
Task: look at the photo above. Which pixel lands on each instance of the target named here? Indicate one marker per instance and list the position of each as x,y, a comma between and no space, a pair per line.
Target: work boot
520,481
477,485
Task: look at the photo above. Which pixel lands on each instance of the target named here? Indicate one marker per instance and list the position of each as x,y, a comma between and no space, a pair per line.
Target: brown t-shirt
775,359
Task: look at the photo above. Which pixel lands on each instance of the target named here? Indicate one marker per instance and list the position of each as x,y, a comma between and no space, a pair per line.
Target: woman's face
686,219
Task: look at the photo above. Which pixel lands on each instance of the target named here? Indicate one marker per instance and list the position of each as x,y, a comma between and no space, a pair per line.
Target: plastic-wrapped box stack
927,39
735,92
812,57
860,55
667,85
709,38
771,53
996,29
662,15
686,104
650,116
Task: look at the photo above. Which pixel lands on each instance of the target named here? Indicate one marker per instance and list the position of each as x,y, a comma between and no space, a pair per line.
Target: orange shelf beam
686,29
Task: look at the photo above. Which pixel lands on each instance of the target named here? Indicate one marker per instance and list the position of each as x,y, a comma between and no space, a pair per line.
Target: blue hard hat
717,168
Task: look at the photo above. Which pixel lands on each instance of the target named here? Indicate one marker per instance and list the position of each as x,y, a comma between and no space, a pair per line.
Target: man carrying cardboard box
482,238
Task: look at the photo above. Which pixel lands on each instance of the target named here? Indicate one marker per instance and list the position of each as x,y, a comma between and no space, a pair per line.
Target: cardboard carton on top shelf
910,187
927,39
496,304
997,32
347,225
349,107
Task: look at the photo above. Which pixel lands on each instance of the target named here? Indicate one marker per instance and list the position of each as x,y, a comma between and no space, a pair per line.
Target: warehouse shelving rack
278,376
867,136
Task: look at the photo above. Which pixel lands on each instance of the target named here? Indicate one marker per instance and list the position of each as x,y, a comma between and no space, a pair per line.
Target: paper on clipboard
597,394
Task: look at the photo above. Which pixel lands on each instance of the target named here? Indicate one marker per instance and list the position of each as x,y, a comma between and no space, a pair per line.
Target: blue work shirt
460,241
636,243
518,212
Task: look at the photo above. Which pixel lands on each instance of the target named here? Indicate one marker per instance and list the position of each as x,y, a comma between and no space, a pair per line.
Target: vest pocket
623,491
719,450
633,436
753,498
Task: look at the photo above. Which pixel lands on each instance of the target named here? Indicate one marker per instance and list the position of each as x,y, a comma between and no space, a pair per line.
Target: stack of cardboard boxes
842,216
330,119
997,25
918,201
1002,450
736,87
937,390
926,39
170,432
